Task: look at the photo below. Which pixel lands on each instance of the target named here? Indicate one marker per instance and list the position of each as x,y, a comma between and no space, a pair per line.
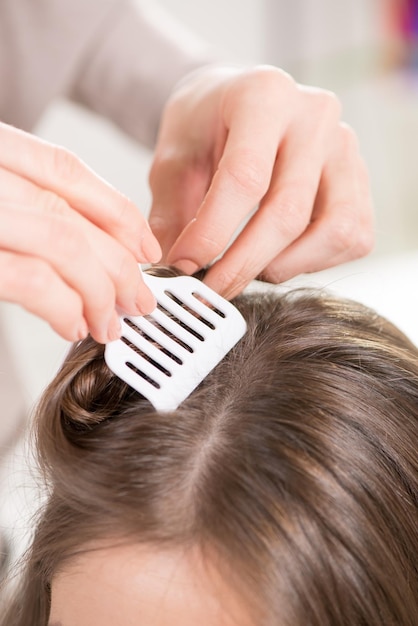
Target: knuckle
349,140
365,243
289,218
126,223
106,295
125,214
104,298
36,282
52,204
65,238
12,276
66,166
267,79
344,231
28,279
326,103
274,274
249,174
99,299
210,245
127,273
234,280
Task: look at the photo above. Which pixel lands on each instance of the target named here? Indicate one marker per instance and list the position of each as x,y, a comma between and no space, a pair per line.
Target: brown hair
295,461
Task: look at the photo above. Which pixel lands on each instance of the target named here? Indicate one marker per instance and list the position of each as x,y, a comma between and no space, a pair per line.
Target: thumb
178,188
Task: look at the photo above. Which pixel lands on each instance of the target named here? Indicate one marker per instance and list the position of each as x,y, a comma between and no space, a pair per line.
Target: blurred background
364,50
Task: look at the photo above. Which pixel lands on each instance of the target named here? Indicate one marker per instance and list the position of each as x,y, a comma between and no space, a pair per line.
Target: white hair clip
165,355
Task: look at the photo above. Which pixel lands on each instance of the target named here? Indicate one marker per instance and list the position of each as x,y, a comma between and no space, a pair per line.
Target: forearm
115,57
42,44
133,64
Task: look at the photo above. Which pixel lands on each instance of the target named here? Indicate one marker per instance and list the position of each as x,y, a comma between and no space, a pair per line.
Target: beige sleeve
119,58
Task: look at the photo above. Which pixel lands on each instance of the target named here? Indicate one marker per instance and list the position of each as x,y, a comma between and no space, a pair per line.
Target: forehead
141,586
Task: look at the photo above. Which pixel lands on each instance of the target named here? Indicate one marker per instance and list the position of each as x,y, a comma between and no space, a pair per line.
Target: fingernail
114,330
83,330
186,266
150,248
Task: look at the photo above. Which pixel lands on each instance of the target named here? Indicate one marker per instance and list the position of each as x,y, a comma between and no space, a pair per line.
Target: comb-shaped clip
166,354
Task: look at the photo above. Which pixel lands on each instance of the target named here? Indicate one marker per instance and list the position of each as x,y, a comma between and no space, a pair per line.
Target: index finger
240,182
58,170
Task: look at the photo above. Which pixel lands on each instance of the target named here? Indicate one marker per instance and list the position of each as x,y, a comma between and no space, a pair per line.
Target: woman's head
283,491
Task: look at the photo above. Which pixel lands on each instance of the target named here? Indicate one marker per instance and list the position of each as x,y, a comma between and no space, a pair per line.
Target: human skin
231,139
69,242
234,138
129,585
